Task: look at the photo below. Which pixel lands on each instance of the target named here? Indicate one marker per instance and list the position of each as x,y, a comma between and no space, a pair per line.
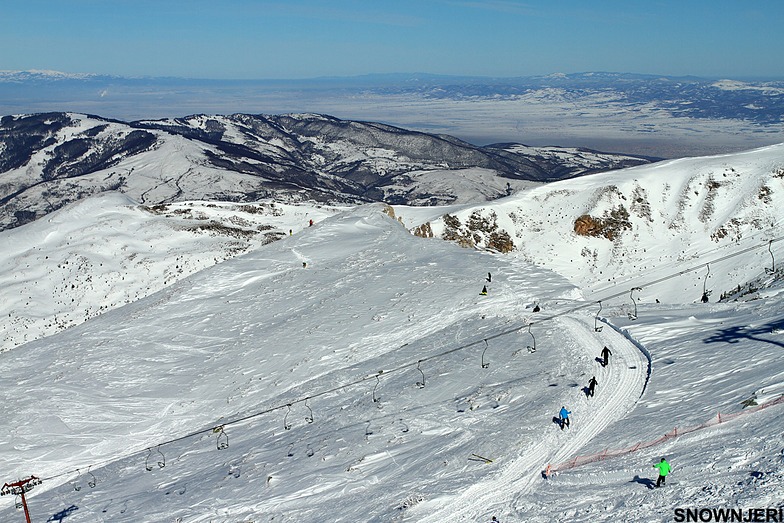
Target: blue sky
260,39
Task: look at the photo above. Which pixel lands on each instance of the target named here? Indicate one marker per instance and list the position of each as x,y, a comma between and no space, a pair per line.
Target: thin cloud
500,6
331,13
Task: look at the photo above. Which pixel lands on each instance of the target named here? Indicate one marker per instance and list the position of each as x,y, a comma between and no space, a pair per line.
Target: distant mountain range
759,101
51,159
660,116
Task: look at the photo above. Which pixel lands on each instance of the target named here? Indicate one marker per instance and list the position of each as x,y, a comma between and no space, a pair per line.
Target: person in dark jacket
591,386
606,356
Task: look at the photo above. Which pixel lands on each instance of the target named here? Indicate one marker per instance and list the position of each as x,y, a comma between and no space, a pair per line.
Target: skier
311,223
664,469
591,386
564,416
484,291
606,356
489,277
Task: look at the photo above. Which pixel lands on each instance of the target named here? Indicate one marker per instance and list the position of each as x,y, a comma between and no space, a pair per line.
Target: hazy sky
261,39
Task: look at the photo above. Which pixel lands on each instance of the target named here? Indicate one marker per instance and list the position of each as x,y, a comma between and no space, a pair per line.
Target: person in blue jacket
564,415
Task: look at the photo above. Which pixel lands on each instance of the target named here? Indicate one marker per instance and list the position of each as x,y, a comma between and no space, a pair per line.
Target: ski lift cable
767,243
337,388
506,332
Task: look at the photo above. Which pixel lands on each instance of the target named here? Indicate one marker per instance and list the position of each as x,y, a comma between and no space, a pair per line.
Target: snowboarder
564,417
484,290
591,386
606,356
537,308
664,469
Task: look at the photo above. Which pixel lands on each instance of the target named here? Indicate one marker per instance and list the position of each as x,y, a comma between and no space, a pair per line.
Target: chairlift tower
19,488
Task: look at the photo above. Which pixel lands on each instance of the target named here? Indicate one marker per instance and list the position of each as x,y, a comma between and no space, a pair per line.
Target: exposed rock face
610,226
479,230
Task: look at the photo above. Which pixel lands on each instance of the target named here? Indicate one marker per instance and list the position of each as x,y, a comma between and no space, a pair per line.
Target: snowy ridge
107,251
52,159
641,223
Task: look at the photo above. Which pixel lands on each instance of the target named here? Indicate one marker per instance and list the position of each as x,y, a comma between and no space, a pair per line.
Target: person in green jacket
664,469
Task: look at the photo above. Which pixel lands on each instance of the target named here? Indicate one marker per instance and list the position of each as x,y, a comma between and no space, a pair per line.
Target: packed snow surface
350,371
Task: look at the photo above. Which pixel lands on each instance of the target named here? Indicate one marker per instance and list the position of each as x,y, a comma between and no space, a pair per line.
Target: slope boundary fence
674,433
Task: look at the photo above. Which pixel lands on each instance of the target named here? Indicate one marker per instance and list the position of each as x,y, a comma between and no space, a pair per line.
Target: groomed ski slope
619,386
259,332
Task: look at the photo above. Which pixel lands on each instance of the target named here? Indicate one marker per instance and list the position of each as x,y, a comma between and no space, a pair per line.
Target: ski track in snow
620,386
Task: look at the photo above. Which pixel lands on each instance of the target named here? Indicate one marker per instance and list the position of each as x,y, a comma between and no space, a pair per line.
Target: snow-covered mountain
49,160
352,371
632,225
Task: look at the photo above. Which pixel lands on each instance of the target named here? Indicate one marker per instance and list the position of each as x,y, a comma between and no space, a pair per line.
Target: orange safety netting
674,433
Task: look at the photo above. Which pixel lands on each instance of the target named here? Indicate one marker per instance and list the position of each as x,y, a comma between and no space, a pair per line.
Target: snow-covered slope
106,251
49,160
351,371
629,227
